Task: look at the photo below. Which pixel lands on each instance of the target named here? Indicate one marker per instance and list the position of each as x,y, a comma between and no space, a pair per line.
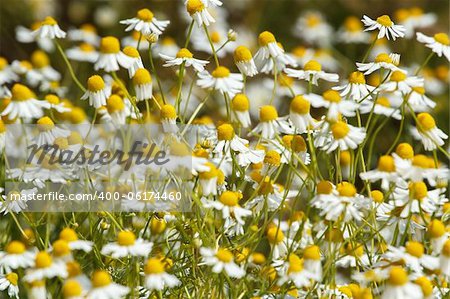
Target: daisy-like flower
15,202
197,10
48,132
45,267
7,73
16,256
127,245
41,63
49,28
219,39
8,282
104,288
353,256
137,61
291,146
228,141
382,60
156,277
312,71
385,25
312,27
270,124
294,271
55,103
439,43
184,56
418,101
116,110
146,23
398,286
386,172
299,114
228,204
356,88
332,100
311,262
240,106
344,136
142,82
413,254
221,259
111,57
25,35
222,80
244,61
23,104
72,289
382,107
168,117
431,135
278,242
165,45
70,236
97,92
268,48
208,179
436,230
352,31
398,80
87,33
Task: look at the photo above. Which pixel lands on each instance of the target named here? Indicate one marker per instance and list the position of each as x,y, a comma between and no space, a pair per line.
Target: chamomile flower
313,28
9,283
228,141
418,100
398,80
127,245
278,242
312,72
25,35
343,136
166,45
356,88
45,267
382,60
135,57
299,114
49,28
228,204
116,110
414,18
222,80
198,12
439,43
41,63
156,277
221,259
142,82
23,104
7,74
244,61
240,106
208,179
146,23
70,236
386,172
352,31
169,116
436,230
292,149
111,57
104,288
353,255
97,91
431,135
270,124
312,263
86,34
219,39
48,131
72,289
268,48
294,271
55,103
16,256
413,254
399,286
381,106
15,202
184,56
332,100
385,26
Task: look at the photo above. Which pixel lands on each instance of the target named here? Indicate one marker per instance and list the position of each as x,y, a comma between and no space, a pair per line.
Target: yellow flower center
258,258
346,189
43,260
299,51
95,83
312,252
154,266
300,105
126,238
385,21
52,99
224,255
145,15
426,121
313,20
229,198
383,57
405,151
421,161
346,290
2,127
345,158
68,234
398,76
240,102
295,264
215,37
357,78
324,187
266,38
446,248
110,45
100,279
21,93
415,249
442,38
212,173
221,72
49,21
285,81
60,248
131,52
386,164
272,158
417,190
398,276
353,24
356,250
15,247
332,96
157,226
426,285
45,124
88,28
383,102
39,59
242,53
3,63
312,65
85,47
194,6
339,129
275,235
168,112
436,228
13,278
72,288
141,77
377,196
298,144
184,53
419,90
168,41
73,269
114,104
225,132
268,113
